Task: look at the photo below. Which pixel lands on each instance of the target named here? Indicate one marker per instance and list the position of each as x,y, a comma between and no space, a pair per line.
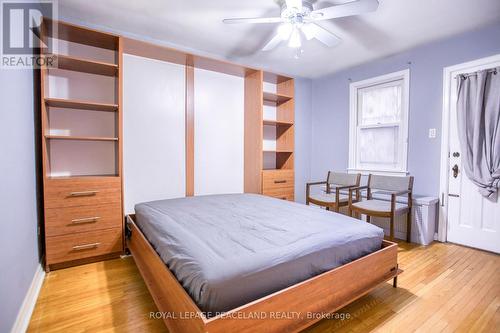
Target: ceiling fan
298,17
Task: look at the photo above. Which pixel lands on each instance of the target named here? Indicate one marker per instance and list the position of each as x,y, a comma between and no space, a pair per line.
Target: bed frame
289,310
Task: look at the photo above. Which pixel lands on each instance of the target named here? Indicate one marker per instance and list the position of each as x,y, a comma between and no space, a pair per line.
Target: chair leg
395,282
408,227
391,233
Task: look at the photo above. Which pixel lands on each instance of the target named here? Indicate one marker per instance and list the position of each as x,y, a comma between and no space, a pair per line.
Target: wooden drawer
277,179
73,192
281,193
83,245
61,221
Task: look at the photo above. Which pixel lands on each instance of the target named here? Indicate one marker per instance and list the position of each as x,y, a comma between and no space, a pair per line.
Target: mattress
228,250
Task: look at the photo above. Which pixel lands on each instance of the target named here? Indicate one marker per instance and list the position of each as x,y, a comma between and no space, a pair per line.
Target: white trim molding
26,310
449,73
402,168
366,172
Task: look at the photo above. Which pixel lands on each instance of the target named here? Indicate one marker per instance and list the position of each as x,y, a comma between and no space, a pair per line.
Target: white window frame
354,167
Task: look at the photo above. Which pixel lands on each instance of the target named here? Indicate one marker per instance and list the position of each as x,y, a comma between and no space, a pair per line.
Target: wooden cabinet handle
85,220
85,246
280,181
83,194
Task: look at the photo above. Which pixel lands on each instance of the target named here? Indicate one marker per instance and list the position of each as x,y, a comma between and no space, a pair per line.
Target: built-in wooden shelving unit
269,138
81,146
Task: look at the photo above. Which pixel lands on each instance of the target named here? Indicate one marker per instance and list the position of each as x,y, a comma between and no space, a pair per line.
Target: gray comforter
227,250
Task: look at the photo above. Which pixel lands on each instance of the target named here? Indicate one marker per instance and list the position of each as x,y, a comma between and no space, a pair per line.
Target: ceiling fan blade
253,20
272,43
312,30
351,8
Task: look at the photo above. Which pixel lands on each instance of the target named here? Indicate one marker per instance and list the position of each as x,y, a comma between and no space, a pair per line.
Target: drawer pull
83,194
85,220
280,181
85,246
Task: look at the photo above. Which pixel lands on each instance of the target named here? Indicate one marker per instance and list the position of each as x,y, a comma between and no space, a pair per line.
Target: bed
234,262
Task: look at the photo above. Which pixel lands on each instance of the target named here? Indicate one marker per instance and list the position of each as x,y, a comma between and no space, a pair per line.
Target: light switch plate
432,133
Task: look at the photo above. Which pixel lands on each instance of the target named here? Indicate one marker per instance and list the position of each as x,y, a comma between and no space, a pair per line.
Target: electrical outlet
432,133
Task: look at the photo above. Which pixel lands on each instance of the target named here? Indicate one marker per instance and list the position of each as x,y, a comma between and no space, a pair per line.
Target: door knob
455,171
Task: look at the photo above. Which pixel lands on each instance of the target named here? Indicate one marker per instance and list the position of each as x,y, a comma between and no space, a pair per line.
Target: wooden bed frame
289,310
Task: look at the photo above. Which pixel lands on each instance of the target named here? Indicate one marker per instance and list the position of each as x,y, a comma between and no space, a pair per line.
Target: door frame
448,73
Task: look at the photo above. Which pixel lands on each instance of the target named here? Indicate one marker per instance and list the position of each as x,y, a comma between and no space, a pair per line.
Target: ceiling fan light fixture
299,16
285,30
295,41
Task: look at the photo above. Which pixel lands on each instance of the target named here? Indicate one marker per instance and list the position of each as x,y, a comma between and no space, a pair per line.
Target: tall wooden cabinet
269,134
81,145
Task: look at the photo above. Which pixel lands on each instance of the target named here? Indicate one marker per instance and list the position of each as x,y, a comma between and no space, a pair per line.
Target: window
378,138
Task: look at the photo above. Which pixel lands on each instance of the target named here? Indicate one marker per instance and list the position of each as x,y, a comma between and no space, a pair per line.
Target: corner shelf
276,98
82,105
84,65
79,138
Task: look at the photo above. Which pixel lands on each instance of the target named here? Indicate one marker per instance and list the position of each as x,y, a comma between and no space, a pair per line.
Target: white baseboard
26,310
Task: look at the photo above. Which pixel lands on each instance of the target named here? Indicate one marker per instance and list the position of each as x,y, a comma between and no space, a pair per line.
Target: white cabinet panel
219,126
153,130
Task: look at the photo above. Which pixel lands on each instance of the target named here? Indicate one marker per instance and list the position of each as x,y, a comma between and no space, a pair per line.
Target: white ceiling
196,26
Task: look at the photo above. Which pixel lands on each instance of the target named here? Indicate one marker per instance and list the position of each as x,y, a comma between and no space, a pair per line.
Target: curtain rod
463,76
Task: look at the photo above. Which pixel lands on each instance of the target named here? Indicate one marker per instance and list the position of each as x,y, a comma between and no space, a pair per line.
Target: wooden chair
339,181
395,186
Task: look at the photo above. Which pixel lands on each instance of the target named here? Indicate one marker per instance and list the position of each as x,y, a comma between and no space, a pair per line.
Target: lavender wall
330,95
303,118
19,254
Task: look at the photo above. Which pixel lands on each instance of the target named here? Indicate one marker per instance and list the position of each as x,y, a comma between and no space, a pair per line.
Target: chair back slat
390,183
343,178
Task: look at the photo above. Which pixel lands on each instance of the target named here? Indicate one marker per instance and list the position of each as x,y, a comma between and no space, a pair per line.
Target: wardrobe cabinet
124,121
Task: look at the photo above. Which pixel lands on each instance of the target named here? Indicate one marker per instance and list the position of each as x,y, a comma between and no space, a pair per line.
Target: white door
472,219
154,152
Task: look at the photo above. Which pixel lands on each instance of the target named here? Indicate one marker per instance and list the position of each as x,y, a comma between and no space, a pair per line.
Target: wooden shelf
278,151
79,138
82,105
276,98
81,35
83,176
85,66
275,78
277,123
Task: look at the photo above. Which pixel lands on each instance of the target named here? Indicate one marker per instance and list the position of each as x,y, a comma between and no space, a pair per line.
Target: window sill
365,172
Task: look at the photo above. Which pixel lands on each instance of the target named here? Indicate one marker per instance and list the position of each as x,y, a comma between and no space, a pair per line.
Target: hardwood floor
444,288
